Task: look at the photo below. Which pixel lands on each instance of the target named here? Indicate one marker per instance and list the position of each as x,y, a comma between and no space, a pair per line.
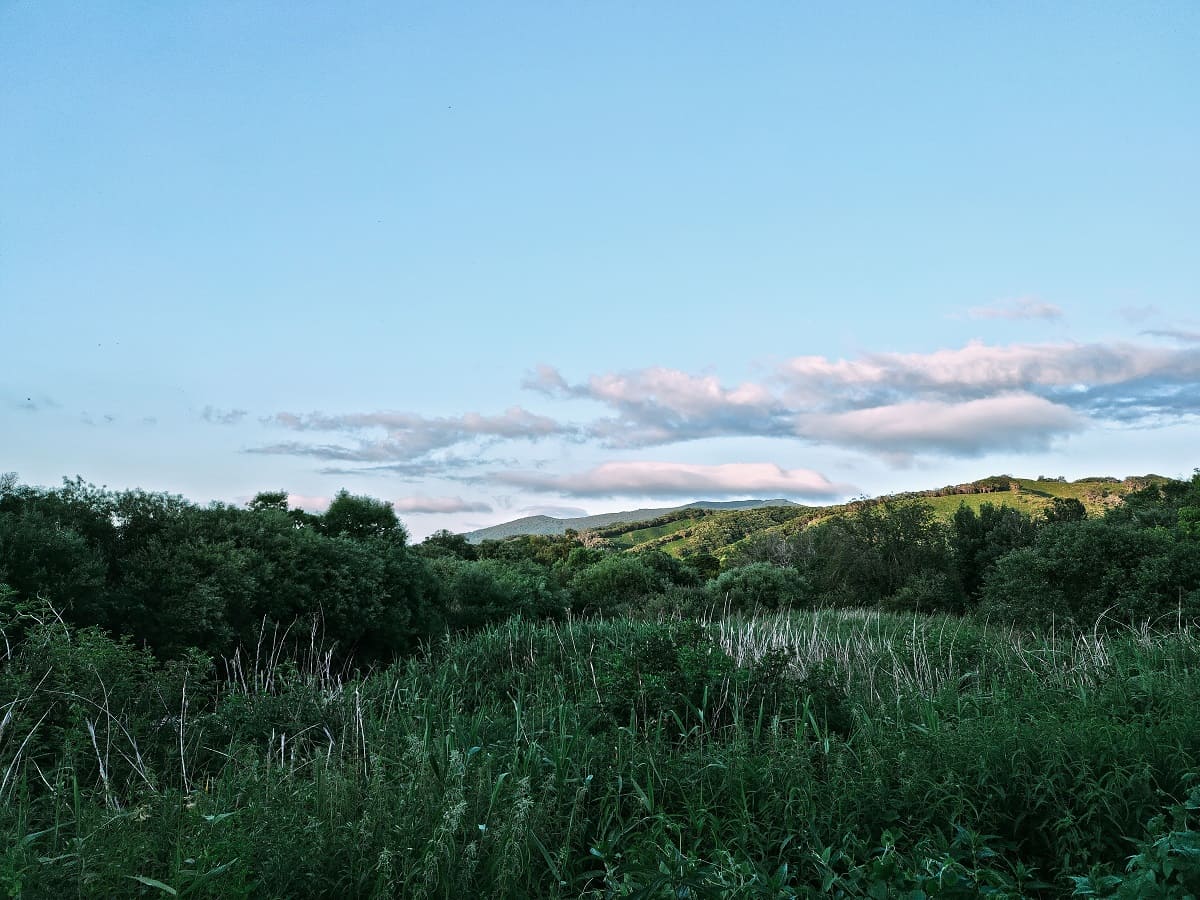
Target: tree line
172,575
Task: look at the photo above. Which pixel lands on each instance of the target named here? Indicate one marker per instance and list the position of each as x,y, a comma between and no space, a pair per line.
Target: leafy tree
265,500
977,540
479,592
41,558
446,543
864,558
1064,509
362,517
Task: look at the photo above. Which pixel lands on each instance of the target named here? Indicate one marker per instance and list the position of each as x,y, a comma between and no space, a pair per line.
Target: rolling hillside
553,525
721,529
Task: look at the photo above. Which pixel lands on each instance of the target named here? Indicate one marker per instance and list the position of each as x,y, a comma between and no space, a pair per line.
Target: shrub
760,586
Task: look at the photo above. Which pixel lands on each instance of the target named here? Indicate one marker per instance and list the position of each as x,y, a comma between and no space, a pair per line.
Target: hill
723,532
554,525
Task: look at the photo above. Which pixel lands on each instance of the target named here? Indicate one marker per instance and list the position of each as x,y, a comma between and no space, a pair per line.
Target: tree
444,543
1064,509
264,500
864,558
362,517
977,540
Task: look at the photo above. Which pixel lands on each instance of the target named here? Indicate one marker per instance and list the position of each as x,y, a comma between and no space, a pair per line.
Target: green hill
691,530
627,518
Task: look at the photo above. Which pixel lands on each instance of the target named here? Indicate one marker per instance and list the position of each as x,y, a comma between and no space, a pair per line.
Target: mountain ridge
552,525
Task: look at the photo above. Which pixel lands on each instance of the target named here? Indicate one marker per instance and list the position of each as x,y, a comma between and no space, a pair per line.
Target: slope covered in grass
812,754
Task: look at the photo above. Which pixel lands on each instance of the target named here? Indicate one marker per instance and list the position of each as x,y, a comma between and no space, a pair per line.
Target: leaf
155,883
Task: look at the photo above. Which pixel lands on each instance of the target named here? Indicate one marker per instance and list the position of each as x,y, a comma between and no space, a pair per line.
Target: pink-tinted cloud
1015,421
667,479
421,504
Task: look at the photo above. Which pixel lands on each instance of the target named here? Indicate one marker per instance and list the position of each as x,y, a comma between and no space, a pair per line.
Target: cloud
446,466
222,416
1017,421
658,406
1021,308
960,401
421,504
1175,334
406,437
666,479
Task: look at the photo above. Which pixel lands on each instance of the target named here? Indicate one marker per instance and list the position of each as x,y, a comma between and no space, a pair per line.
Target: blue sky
483,260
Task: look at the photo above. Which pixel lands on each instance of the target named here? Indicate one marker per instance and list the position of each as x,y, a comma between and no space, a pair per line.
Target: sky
501,259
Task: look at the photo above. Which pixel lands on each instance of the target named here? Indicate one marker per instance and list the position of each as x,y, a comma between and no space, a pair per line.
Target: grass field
814,754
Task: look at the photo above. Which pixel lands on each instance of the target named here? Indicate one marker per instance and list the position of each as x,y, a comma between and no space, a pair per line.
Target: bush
1074,573
616,579
760,586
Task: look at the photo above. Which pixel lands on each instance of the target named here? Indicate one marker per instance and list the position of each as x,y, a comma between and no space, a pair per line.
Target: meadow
844,753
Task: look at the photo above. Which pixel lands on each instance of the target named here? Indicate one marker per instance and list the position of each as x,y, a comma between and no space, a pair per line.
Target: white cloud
422,504
667,479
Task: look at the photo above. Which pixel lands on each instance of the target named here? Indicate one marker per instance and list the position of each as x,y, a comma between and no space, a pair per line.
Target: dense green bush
604,586
479,592
760,586
1074,574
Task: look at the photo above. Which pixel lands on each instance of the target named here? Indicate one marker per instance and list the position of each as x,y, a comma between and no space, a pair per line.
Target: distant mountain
552,525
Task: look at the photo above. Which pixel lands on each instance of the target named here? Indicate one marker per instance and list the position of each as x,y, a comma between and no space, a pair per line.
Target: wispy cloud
1020,308
659,406
223,416
667,479
421,504
1175,334
395,437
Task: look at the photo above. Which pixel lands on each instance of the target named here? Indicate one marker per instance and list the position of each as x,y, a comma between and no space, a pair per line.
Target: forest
916,696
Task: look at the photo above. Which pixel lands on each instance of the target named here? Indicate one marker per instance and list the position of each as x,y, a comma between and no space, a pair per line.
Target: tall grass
793,755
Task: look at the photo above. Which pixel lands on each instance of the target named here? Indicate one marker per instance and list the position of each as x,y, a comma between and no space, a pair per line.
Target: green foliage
173,575
443,543
1166,866
815,754
362,517
613,581
1074,574
760,586
978,539
864,558
480,592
